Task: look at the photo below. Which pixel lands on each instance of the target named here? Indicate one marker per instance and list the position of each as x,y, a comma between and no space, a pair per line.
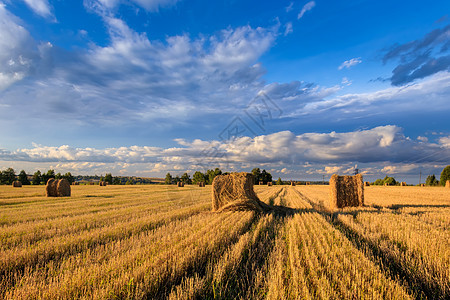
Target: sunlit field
157,241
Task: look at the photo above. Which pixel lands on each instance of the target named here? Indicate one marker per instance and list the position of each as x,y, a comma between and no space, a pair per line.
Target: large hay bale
403,183
447,184
366,183
17,184
63,188
346,191
235,192
50,188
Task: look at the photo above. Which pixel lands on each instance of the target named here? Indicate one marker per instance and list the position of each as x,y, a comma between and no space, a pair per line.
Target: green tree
69,177
265,177
256,172
37,178
24,178
198,177
168,179
8,176
117,181
48,175
186,178
389,180
177,179
431,180
445,175
378,182
109,178
211,174
279,182
58,176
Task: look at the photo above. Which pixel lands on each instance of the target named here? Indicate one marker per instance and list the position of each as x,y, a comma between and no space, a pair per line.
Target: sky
303,89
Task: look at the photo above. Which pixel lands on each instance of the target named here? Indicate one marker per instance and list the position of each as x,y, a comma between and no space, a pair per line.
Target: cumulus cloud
420,58
350,63
40,7
307,7
380,144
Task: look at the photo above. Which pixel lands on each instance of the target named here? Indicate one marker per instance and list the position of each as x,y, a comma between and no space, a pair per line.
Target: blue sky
301,88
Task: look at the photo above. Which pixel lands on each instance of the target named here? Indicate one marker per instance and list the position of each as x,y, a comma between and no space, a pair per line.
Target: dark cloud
420,58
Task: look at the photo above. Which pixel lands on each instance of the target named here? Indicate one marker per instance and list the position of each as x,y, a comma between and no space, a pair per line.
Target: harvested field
159,242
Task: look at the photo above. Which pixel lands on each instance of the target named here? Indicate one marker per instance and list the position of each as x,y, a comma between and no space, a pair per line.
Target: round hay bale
366,183
402,183
269,183
346,191
50,188
447,184
292,183
63,188
234,192
17,184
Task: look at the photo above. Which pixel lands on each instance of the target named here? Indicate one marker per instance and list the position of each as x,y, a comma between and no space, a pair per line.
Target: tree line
209,175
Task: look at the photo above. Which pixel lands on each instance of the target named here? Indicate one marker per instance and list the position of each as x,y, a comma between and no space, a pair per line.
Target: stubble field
158,242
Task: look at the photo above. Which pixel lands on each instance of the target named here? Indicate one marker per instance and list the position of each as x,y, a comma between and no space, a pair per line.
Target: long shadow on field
392,263
400,206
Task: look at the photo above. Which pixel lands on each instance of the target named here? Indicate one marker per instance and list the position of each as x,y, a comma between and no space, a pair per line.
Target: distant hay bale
308,183
447,184
103,183
75,183
17,184
50,188
403,183
346,191
91,183
180,184
292,183
269,183
63,188
386,184
366,183
201,184
261,183
422,184
234,192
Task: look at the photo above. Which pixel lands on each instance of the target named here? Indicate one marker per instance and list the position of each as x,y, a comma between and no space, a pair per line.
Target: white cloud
288,28
40,7
398,169
148,5
307,7
350,63
290,7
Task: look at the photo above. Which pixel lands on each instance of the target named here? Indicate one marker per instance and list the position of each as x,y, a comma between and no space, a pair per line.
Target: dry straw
57,188
234,192
17,184
346,191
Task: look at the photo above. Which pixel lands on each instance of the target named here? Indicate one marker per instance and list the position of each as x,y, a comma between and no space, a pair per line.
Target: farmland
134,242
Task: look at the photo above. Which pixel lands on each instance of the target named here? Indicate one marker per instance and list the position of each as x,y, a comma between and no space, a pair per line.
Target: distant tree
431,180
186,178
177,179
445,175
117,181
109,178
211,174
168,179
256,172
279,182
48,175
378,182
389,180
24,178
58,176
198,177
265,177
37,178
69,177
129,182
8,176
